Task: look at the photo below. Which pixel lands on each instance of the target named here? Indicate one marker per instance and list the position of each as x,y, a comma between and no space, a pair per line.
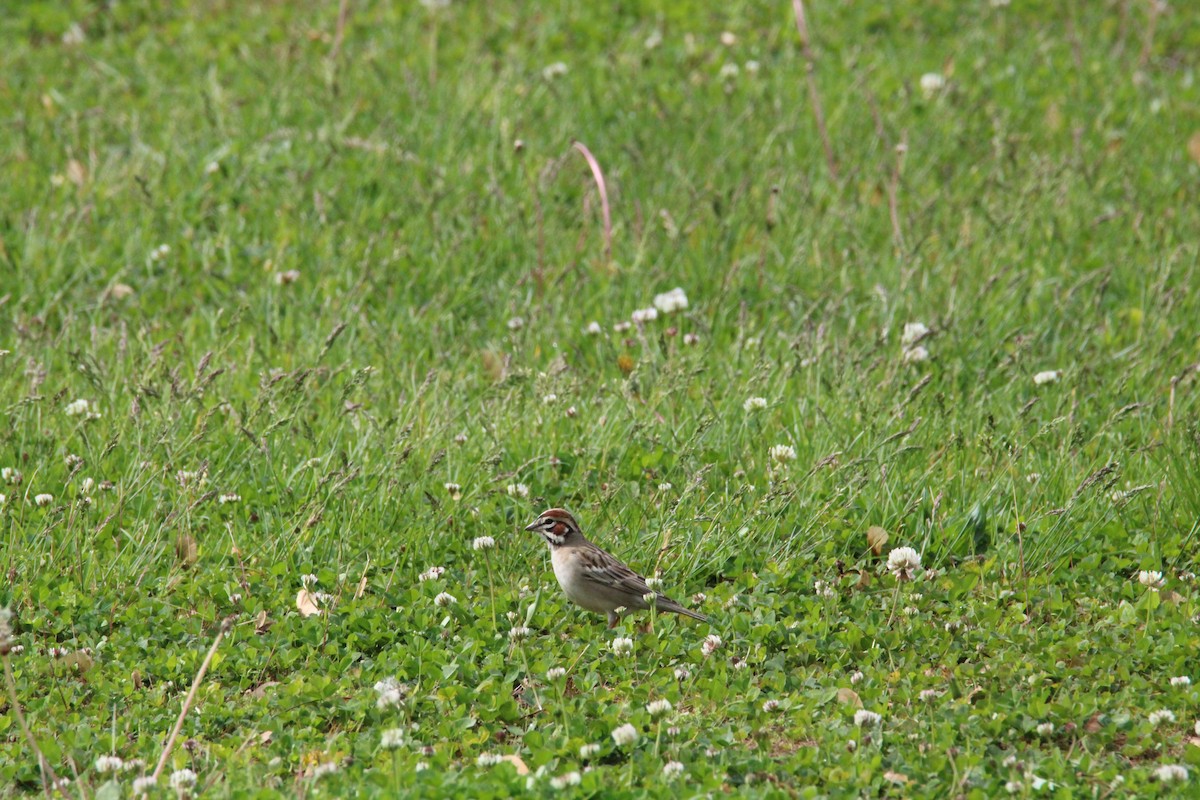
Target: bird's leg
613,619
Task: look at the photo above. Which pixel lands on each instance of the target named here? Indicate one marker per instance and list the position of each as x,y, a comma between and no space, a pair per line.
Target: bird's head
556,525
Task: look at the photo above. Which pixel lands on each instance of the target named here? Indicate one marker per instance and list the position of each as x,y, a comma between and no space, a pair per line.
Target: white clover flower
1152,579
622,646
622,326
866,719
144,784
672,769
728,38
655,583
699,597
1048,376
593,329
1162,715
109,764
431,574
1182,680
572,778
186,478
625,735
78,408
823,589
1171,773
550,399
672,301
665,486
729,71
659,707
308,581
555,673
1013,787
712,643
929,695
588,751
903,562
1045,729
391,692
11,475
287,277
1033,477
932,83
73,460
913,332
392,738
754,404
653,40
571,412
43,499
489,759
229,498
182,779
519,634
444,599
783,453
691,338
683,673
453,489
644,315
328,768
771,706
856,677
517,490
516,323
3,499
915,355
752,67
555,70
483,543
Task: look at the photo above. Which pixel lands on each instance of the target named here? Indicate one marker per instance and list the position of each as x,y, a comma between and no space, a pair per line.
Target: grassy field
327,291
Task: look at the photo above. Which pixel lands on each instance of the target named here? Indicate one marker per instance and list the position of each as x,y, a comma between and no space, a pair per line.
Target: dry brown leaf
849,697
898,778
186,549
362,588
1194,741
306,603
518,763
496,364
1174,598
78,662
1193,147
261,623
877,537
264,737
76,173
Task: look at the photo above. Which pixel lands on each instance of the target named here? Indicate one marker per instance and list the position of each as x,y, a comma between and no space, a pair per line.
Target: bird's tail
666,604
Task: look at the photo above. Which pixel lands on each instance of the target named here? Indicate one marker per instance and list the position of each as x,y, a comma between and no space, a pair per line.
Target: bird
592,578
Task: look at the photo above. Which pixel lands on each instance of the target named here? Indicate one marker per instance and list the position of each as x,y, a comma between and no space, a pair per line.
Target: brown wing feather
614,578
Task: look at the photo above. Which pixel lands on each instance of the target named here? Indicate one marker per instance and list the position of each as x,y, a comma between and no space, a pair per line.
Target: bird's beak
531,525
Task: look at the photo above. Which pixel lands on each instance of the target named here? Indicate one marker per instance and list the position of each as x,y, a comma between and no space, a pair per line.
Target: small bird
590,577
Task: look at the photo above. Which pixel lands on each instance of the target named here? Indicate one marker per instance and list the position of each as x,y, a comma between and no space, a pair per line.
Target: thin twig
49,779
814,96
1156,9
598,175
226,626
340,31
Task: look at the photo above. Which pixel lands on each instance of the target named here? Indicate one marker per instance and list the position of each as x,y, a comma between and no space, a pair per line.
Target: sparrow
592,578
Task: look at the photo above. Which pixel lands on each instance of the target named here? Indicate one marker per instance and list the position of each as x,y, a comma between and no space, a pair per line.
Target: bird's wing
604,570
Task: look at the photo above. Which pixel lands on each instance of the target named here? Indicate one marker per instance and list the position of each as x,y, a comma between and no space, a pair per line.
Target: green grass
1047,212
